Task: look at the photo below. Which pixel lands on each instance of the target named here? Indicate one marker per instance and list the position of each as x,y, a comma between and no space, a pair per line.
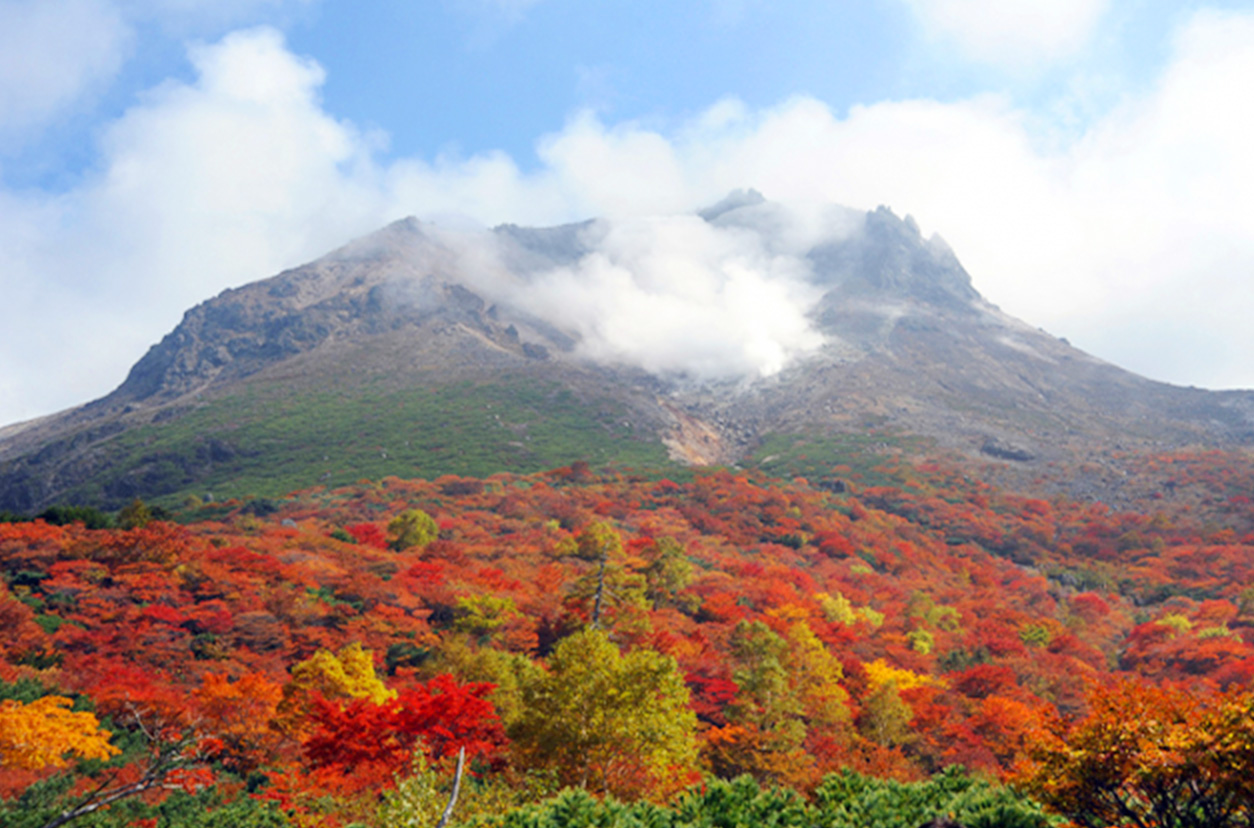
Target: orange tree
1147,756
45,731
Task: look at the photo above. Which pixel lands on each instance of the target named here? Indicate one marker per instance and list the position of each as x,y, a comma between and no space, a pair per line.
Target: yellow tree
885,717
815,674
46,731
413,527
348,674
618,724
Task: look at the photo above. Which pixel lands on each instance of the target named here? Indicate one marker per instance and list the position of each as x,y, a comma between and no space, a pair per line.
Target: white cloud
1136,241
53,52
59,54
675,294
203,186
1012,33
231,177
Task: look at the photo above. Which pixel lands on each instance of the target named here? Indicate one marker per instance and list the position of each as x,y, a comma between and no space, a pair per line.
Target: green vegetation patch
867,458
845,800
272,441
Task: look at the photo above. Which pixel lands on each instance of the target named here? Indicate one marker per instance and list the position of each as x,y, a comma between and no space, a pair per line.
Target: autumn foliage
628,635
45,732
1149,756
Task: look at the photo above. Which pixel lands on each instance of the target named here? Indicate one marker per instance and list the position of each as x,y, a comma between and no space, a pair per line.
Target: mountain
419,351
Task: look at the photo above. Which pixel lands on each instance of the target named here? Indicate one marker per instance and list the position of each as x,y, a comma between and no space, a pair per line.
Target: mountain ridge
906,346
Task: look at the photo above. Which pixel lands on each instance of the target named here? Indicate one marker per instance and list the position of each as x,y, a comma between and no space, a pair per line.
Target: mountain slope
416,351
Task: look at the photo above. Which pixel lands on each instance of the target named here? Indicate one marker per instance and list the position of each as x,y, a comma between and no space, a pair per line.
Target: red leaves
368,534
134,696
162,614
710,697
984,680
365,743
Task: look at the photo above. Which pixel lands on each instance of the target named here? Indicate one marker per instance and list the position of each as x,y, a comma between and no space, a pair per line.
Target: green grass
860,457
282,440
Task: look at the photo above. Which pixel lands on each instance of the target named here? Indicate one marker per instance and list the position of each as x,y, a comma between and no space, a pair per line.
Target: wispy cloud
57,55
52,53
494,16
1011,33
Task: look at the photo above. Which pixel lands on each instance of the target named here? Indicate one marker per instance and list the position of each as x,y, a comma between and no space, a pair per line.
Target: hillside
420,351
892,629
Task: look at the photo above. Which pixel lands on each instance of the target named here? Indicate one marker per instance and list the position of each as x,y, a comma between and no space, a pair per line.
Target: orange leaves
1151,755
35,533
238,715
953,608
44,732
746,749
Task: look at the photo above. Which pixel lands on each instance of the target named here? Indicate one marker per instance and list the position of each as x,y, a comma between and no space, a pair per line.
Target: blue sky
1087,159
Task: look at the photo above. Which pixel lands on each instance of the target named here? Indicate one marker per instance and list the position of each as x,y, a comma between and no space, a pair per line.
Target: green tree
668,573
611,583
89,516
135,515
885,717
614,723
851,800
815,674
508,672
845,800
768,699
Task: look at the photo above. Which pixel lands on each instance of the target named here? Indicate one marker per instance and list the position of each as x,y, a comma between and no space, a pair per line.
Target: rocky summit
420,351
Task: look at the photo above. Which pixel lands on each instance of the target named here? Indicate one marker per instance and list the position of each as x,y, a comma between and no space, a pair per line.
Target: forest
604,647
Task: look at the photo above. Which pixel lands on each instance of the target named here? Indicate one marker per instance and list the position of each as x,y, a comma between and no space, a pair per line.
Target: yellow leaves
42,733
836,608
815,674
880,673
1218,631
789,614
872,618
348,674
412,527
599,542
1177,623
921,641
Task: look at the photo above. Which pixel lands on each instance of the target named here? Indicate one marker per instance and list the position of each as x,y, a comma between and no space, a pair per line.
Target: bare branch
457,786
